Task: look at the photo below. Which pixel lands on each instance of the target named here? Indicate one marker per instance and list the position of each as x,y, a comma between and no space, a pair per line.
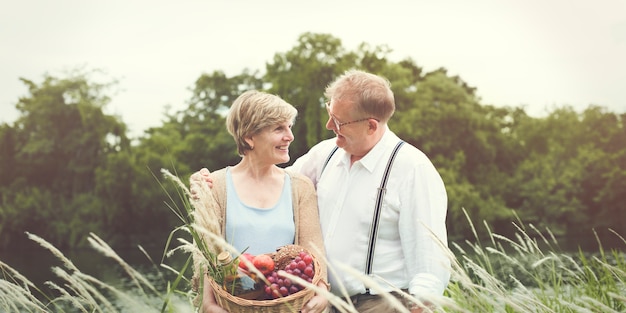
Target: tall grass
529,273
76,291
525,272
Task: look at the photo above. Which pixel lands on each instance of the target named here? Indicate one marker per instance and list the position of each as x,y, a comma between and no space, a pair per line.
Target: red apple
263,263
242,263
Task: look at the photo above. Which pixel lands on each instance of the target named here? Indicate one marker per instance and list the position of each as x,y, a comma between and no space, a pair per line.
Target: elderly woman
263,207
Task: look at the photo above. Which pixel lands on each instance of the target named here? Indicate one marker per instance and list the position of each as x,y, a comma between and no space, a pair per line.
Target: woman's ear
250,142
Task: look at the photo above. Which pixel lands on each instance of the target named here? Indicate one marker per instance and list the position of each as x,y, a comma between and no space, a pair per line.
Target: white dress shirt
415,204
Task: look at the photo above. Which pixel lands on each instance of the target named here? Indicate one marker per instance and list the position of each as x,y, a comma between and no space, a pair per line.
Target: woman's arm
310,236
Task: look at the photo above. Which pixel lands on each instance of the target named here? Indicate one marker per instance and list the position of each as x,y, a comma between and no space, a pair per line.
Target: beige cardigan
305,212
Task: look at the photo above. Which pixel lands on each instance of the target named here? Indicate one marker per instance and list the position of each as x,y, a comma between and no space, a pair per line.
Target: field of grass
507,275
526,272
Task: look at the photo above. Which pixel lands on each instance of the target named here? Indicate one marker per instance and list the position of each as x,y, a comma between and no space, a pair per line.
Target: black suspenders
377,209
379,204
328,159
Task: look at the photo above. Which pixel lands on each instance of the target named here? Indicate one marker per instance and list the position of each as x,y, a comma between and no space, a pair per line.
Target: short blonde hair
371,94
254,110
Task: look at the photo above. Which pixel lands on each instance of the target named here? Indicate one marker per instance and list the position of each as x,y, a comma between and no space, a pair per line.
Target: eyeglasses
339,124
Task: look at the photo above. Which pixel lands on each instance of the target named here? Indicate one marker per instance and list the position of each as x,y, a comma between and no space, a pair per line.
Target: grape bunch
301,266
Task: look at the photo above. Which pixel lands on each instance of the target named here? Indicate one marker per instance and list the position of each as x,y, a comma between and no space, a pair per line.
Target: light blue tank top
260,230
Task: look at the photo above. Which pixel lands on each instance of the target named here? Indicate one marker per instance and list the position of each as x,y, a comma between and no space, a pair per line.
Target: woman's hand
208,307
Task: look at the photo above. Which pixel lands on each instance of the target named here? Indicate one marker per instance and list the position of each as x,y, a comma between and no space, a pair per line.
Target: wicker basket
290,303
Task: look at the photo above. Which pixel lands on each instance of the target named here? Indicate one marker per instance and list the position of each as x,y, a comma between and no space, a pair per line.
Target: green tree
464,140
550,180
58,142
65,134
8,154
603,177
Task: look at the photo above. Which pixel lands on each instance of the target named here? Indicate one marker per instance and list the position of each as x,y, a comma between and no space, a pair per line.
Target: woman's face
271,145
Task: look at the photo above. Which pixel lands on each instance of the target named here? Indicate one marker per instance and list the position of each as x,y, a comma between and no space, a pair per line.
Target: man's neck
372,141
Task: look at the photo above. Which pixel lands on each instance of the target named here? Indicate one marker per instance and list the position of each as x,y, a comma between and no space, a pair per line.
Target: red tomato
263,263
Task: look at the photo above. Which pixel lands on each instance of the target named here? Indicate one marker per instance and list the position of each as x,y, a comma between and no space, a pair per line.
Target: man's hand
317,304
427,308
197,179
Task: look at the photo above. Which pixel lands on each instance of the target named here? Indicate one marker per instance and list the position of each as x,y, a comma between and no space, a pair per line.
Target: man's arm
423,231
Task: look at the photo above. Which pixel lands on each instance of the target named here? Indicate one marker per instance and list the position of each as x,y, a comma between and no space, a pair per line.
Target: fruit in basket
300,266
264,263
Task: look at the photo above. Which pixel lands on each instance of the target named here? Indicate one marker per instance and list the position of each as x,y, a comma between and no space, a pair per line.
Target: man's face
351,130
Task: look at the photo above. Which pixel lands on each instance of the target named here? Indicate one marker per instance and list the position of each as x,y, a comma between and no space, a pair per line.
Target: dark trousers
367,303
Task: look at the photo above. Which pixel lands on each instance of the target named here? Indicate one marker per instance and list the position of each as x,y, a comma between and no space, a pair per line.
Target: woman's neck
256,171
258,186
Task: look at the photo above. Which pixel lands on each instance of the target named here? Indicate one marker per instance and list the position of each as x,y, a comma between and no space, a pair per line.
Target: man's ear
372,125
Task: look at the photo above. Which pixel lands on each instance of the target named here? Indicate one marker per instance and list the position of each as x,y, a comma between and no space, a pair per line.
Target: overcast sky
534,53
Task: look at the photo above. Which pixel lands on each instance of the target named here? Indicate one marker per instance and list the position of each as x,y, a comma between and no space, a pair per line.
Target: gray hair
371,94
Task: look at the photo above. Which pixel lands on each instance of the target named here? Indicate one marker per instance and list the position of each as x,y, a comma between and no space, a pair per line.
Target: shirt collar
374,156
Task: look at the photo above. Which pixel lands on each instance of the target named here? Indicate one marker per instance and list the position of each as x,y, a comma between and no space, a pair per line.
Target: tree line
67,168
